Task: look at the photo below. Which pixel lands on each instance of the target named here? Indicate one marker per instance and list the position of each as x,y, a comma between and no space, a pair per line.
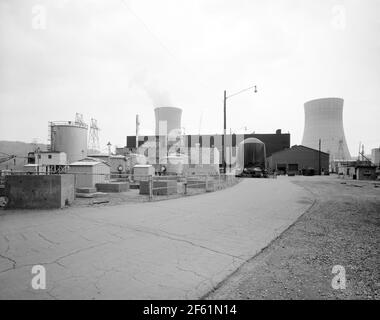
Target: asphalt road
174,249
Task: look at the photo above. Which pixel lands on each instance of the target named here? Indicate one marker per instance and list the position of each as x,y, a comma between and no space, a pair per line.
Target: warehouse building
298,160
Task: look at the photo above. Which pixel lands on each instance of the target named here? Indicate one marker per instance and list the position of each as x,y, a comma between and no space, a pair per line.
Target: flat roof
50,152
86,163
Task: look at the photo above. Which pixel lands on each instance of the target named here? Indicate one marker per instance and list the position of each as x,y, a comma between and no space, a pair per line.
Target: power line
163,46
148,29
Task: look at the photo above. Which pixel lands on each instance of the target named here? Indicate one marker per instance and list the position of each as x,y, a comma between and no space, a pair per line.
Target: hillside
20,150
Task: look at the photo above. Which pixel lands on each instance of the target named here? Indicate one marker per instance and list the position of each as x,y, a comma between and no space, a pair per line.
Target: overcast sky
112,59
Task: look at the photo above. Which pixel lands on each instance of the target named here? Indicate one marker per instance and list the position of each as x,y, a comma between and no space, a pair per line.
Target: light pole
225,120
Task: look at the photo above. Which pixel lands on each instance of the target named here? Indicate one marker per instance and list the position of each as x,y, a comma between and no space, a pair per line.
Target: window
212,142
49,156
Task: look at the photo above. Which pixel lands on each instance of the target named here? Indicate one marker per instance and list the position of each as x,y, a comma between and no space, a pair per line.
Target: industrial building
196,151
46,162
365,173
89,172
376,157
324,122
117,163
298,160
358,170
273,143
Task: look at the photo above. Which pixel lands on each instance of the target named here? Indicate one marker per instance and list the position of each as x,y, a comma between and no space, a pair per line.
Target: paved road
342,228
175,249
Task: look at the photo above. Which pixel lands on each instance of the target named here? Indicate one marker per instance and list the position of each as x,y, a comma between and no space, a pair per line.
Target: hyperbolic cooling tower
324,120
168,120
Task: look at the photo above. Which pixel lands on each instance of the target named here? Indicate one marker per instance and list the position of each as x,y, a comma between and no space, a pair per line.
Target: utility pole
225,122
319,158
224,133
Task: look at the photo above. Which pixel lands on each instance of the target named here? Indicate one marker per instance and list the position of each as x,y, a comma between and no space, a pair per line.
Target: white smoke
159,97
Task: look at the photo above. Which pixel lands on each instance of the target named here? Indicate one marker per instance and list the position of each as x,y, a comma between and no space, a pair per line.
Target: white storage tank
69,137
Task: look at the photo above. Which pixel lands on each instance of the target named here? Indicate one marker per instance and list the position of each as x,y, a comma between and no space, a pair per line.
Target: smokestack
137,130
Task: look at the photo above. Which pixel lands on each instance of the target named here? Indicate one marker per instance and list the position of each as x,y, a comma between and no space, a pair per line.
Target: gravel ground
341,228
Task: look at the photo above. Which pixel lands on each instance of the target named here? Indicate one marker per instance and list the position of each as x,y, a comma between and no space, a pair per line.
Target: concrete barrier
39,191
160,187
112,187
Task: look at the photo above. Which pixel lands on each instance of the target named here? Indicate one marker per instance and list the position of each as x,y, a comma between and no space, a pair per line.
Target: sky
113,59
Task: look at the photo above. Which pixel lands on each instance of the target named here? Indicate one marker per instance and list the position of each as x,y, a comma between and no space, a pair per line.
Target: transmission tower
93,141
79,119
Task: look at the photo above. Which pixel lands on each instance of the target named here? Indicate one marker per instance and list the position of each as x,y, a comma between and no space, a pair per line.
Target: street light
225,120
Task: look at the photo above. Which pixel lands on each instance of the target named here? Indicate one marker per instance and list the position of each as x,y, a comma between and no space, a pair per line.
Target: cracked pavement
174,249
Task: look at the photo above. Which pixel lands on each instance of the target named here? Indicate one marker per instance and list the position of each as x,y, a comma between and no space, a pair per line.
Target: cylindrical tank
324,121
251,154
168,120
71,138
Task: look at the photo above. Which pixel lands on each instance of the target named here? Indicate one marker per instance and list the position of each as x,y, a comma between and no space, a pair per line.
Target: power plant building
273,142
324,121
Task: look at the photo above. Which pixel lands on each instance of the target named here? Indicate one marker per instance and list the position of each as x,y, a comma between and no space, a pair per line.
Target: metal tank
251,158
324,120
69,137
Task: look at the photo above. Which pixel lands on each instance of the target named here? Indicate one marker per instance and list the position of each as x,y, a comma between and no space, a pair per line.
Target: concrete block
85,190
160,187
134,185
196,183
144,187
164,187
90,195
39,191
112,187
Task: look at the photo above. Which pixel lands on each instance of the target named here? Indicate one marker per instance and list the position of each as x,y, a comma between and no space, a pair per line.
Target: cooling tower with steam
168,120
324,120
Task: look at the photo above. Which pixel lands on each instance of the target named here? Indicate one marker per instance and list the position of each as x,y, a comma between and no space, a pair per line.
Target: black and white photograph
211,151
